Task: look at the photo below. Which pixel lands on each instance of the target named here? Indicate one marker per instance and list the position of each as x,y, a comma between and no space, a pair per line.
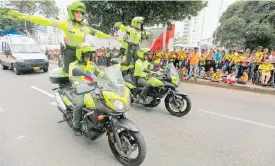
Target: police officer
141,73
83,54
136,34
75,29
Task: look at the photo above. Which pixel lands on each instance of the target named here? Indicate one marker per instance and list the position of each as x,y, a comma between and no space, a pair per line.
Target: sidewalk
247,87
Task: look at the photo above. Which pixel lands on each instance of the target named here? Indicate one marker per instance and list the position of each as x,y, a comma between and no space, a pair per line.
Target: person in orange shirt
194,62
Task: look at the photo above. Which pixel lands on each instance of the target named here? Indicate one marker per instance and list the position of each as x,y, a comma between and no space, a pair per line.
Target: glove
15,13
146,70
118,24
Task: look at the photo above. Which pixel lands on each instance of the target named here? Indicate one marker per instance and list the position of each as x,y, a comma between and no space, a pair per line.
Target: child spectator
183,73
217,77
202,73
224,74
208,75
230,79
243,79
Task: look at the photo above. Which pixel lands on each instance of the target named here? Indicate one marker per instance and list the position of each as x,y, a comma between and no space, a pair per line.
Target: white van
21,53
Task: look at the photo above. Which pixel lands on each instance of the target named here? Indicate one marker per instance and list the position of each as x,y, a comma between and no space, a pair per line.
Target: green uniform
75,33
78,100
135,37
122,49
108,57
140,67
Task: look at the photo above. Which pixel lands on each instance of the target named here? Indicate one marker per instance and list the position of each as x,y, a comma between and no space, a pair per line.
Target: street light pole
218,23
164,38
202,26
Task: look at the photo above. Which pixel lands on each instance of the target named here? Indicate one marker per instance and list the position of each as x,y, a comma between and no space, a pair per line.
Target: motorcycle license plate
36,68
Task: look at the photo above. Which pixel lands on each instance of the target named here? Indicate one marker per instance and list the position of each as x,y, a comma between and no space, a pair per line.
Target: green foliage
45,8
247,24
104,14
7,22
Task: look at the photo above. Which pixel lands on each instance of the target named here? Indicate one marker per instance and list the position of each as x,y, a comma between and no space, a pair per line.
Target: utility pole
164,38
202,26
218,23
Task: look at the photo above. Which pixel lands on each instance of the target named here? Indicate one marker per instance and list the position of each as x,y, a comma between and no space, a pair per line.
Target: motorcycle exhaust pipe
59,102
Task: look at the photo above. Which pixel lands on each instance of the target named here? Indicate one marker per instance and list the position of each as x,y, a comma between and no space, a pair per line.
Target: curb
234,87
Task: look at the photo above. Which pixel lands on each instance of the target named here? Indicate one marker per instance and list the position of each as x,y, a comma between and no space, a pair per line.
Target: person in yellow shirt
237,60
172,57
259,54
182,57
202,59
243,79
227,58
216,77
266,69
157,61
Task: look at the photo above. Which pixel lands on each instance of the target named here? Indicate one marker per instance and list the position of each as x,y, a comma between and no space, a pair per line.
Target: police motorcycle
112,101
163,84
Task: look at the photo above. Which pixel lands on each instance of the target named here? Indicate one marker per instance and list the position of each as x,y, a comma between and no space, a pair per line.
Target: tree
104,14
247,24
7,22
45,8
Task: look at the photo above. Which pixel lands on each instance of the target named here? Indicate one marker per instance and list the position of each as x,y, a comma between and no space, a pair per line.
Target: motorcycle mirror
78,72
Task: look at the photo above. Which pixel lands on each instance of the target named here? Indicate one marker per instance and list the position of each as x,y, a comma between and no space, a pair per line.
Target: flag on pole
88,73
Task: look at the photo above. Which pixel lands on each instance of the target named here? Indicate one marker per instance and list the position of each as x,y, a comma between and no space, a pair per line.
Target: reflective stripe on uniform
70,37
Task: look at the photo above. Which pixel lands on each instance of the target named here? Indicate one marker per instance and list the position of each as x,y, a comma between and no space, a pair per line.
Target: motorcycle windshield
172,70
113,80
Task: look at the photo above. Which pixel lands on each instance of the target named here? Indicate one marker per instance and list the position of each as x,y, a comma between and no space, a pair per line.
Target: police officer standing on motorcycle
75,29
83,54
136,34
142,73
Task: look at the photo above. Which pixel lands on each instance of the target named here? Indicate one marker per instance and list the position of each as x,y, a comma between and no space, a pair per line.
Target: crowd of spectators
233,66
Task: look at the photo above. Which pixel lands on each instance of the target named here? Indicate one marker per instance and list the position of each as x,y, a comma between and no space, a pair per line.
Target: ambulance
22,53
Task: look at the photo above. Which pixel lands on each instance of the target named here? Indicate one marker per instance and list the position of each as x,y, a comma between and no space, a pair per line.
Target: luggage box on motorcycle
58,76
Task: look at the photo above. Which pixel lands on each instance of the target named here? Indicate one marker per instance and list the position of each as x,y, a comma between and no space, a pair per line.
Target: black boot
143,94
77,132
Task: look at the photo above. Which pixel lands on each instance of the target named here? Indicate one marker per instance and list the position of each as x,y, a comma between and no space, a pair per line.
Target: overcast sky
211,14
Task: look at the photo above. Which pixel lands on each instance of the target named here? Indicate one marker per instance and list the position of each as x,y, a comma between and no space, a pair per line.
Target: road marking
20,137
238,119
42,91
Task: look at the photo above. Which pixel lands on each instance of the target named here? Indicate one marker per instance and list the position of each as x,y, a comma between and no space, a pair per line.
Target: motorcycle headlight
119,105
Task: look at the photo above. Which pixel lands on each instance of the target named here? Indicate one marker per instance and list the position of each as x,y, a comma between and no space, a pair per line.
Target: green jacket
124,43
148,65
108,53
139,68
135,35
80,79
75,32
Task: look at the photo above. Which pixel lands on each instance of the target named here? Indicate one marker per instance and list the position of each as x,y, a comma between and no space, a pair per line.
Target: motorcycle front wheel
131,142
178,108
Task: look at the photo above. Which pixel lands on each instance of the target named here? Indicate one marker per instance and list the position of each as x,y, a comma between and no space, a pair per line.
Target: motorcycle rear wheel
134,141
171,105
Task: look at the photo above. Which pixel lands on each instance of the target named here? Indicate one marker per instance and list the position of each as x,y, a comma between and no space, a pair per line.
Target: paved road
223,128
